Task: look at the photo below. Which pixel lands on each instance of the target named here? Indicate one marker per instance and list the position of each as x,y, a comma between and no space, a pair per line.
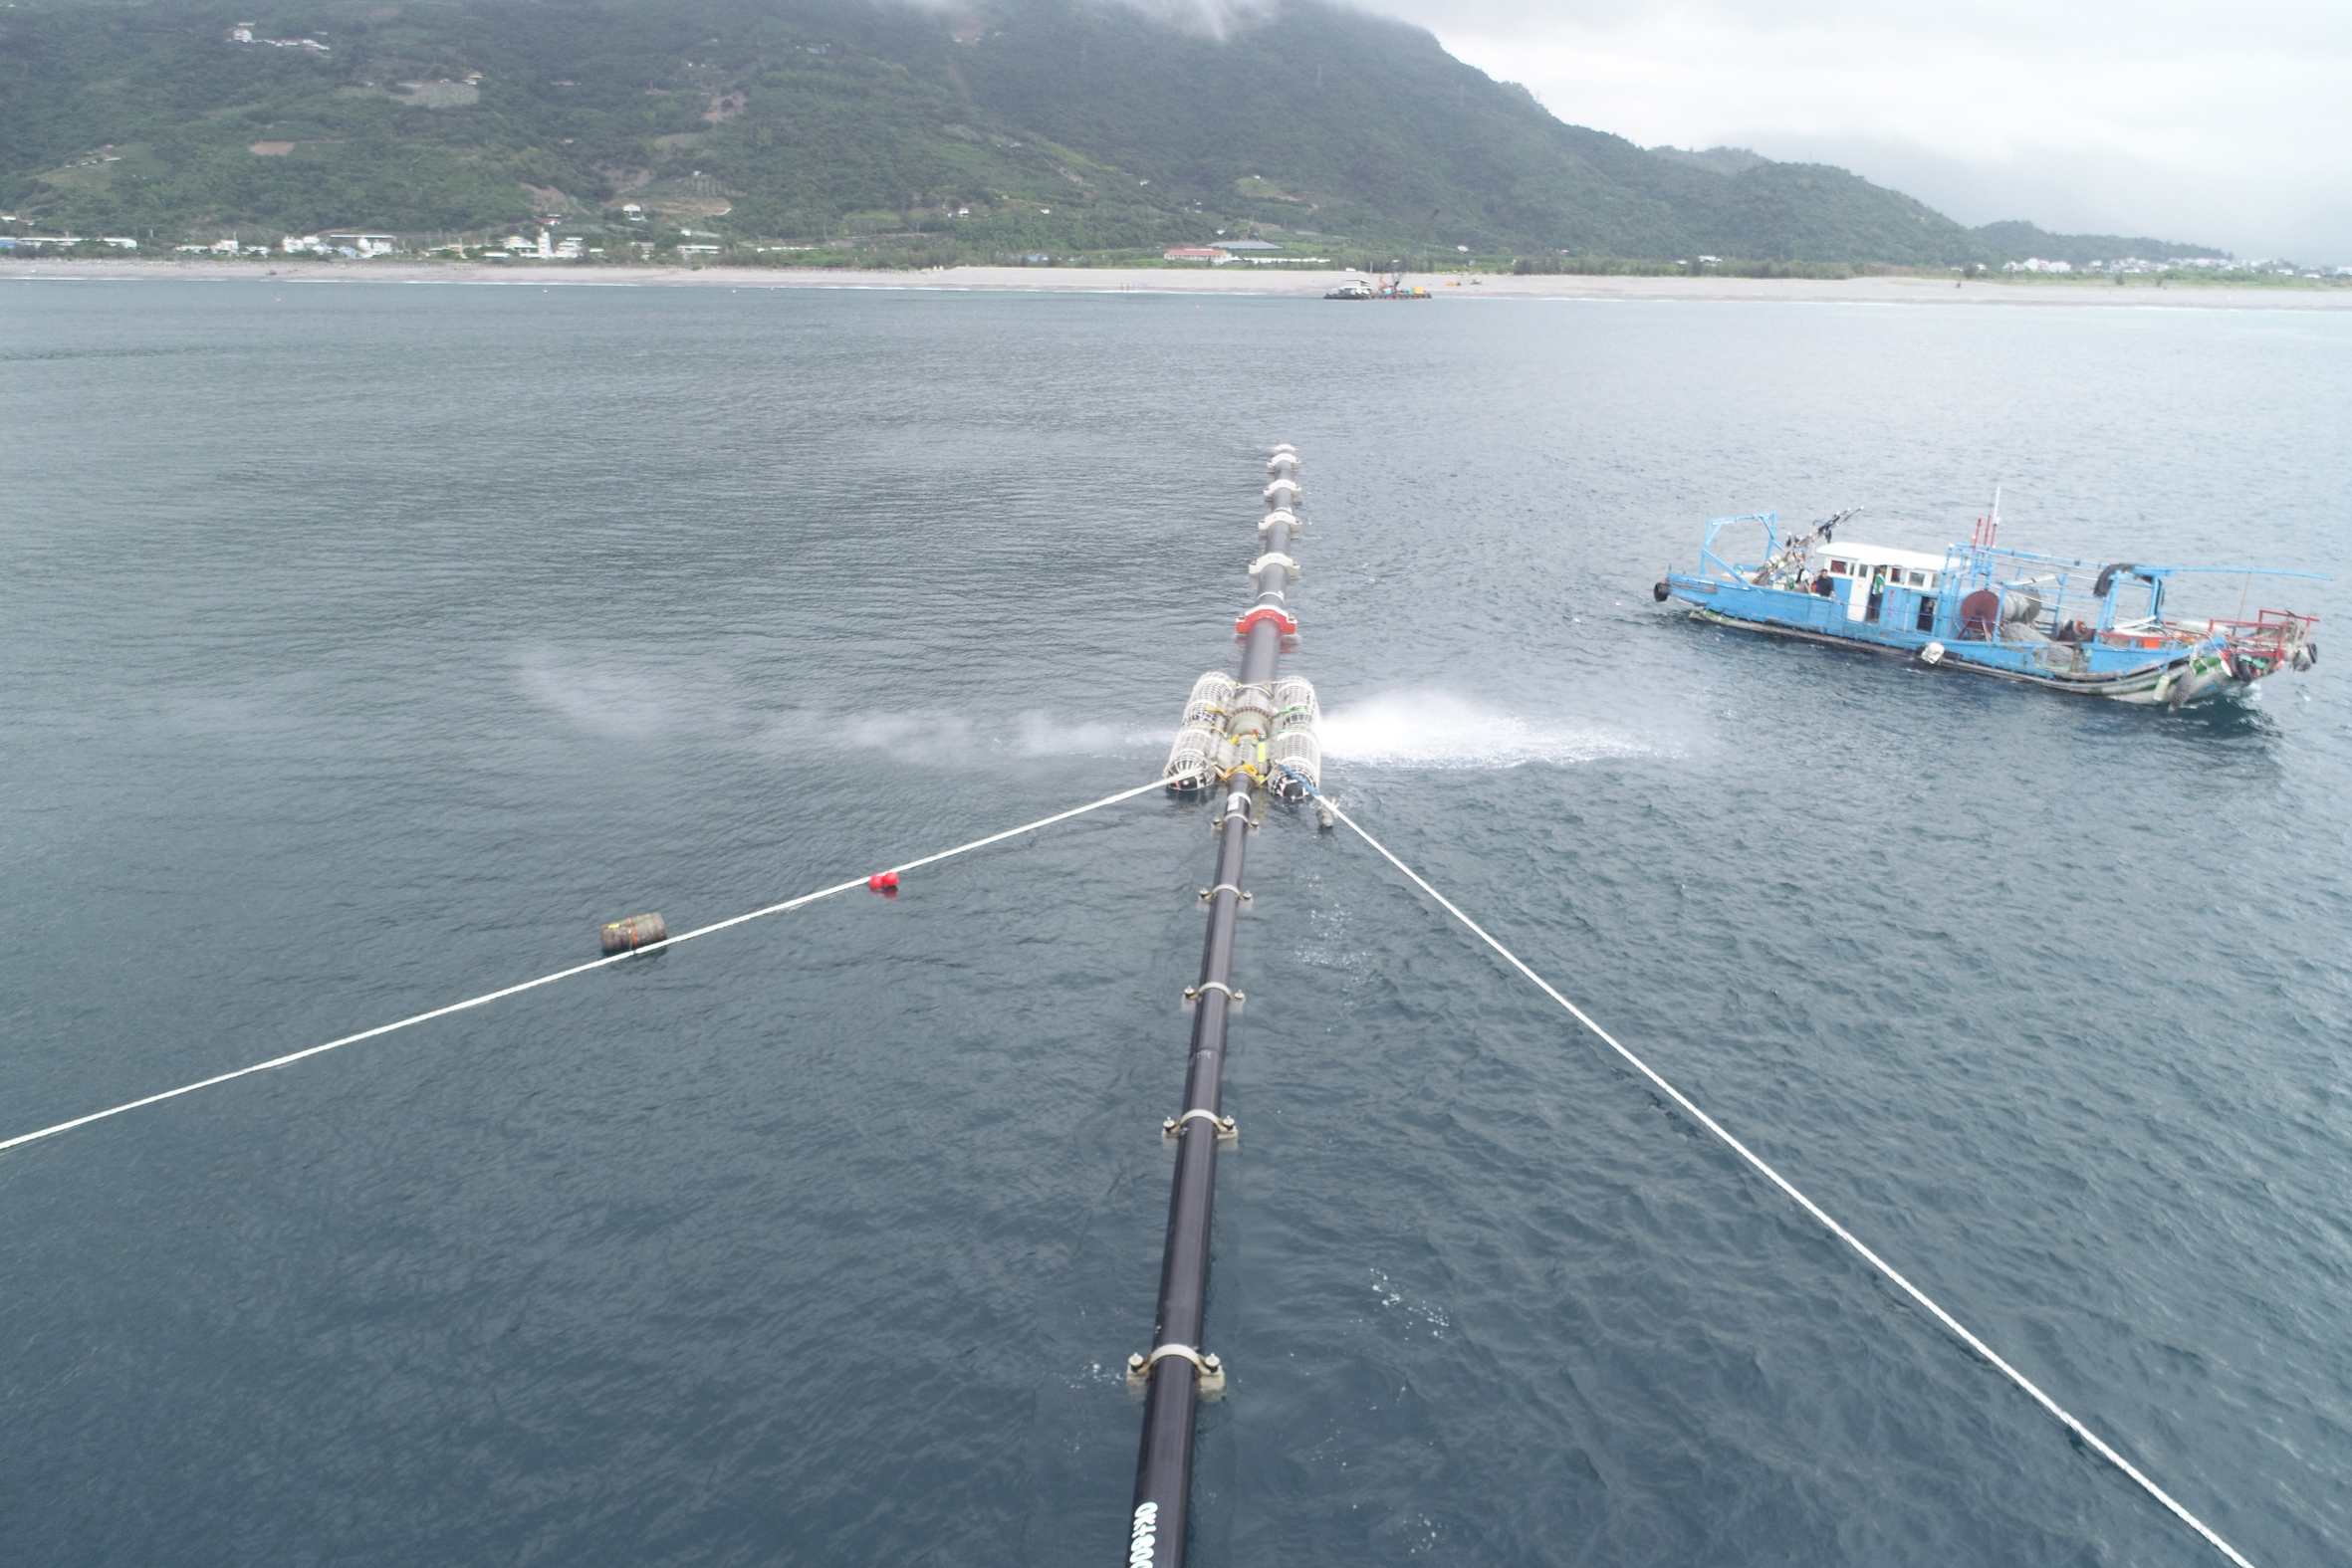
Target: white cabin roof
1880,555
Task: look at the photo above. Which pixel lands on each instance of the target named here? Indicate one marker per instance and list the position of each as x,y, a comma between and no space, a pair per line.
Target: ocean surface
365,647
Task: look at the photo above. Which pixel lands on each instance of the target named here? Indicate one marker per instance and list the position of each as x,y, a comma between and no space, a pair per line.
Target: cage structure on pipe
1294,749
1194,759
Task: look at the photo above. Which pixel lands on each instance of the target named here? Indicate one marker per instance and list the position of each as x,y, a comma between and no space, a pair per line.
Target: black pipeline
1177,1370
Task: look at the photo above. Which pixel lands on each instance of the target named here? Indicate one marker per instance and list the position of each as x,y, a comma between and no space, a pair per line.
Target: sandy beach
1207,279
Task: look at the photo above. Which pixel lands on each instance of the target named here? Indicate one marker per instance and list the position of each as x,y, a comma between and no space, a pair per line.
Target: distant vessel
2068,626
1392,287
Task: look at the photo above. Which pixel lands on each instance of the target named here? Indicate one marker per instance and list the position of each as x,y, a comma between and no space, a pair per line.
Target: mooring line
578,969
1894,1277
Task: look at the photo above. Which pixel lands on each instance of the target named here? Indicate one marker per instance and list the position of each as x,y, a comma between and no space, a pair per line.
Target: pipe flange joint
1234,999
1208,1371
1209,894
1226,1129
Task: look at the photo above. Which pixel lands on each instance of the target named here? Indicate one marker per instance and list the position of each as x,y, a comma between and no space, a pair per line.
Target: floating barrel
626,936
1295,704
1211,696
1298,750
1295,741
1192,760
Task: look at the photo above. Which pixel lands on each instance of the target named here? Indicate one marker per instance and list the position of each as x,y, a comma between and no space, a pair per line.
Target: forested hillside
1001,127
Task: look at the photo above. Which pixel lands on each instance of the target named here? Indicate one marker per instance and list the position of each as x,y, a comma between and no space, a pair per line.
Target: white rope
578,969
1960,1331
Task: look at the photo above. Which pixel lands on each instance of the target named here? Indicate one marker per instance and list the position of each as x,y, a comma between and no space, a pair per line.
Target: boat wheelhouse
2077,627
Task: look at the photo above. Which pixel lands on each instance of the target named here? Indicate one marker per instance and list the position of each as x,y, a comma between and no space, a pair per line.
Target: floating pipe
1178,1369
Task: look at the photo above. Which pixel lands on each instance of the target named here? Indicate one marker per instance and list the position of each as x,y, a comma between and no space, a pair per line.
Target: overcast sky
2227,123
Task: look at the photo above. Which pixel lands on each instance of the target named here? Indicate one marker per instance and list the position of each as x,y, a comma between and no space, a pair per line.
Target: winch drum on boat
1980,613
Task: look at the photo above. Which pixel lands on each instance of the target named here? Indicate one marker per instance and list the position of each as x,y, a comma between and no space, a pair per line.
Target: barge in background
2100,630
1392,287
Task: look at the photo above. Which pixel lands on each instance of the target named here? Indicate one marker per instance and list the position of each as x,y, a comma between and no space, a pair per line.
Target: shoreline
1218,281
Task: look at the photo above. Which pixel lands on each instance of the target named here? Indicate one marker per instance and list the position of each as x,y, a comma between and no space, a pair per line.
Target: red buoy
883,882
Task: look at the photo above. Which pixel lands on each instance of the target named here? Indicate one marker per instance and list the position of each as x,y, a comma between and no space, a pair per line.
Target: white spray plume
708,706
1429,728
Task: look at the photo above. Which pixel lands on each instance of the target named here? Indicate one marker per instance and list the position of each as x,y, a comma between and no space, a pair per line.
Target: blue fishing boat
2086,627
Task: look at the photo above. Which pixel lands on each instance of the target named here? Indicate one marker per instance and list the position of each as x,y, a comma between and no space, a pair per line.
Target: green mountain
906,131
1723,161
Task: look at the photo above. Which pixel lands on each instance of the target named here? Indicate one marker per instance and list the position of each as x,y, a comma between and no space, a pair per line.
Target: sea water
365,647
